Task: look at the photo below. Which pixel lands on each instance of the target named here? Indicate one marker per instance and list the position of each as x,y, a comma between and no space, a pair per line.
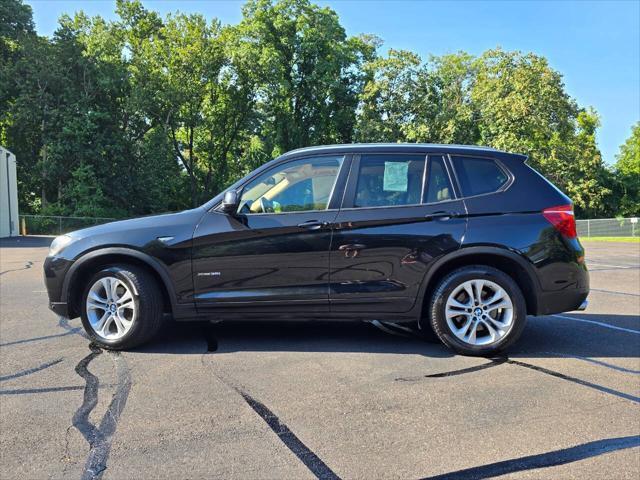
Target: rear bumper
565,281
562,301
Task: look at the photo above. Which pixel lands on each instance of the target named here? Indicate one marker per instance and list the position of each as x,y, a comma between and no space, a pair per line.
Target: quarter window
438,184
479,175
297,186
389,180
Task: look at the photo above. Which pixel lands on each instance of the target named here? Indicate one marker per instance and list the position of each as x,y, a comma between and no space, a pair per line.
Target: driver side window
296,186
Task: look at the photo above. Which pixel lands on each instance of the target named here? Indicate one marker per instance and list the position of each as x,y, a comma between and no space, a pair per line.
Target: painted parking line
30,391
591,270
600,324
614,293
595,362
29,371
591,262
36,339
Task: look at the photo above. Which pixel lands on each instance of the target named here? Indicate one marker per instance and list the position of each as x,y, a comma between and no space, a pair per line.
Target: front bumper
55,270
60,308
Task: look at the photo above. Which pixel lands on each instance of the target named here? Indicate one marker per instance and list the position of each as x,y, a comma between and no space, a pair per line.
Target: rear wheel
121,307
477,310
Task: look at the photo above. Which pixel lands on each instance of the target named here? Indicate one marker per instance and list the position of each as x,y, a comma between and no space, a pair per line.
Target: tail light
562,219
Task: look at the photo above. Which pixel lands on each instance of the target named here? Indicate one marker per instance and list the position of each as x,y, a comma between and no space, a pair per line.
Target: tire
485,335
139,313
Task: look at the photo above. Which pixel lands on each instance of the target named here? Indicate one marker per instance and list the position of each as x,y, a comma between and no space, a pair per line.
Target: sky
594,44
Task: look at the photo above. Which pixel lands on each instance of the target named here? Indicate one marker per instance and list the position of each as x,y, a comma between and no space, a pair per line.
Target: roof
403,147
344,149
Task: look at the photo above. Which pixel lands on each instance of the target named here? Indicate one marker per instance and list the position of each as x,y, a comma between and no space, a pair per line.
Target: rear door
400,213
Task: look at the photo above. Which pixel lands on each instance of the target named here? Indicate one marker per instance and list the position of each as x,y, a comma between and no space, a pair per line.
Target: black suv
464,240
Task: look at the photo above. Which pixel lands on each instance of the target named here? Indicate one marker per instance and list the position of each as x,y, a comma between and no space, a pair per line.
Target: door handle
313,225
439,216
352,246
351,250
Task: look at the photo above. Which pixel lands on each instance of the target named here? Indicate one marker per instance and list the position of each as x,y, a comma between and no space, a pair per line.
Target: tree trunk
194,200
43,200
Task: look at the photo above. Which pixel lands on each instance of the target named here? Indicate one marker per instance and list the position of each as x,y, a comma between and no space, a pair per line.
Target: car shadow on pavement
543,337
289,336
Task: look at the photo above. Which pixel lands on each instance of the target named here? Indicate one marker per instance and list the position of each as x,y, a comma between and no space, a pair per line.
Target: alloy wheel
479,312
111,308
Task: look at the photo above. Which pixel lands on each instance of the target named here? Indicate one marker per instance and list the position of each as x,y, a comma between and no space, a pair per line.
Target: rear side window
479,175
389,180
438,184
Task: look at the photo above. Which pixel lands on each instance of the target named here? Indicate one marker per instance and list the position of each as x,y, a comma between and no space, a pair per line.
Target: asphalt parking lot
290,400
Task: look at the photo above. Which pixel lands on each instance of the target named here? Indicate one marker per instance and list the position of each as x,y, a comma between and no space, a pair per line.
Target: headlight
58,244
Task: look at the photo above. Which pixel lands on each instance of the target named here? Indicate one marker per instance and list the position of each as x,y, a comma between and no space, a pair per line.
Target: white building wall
9,225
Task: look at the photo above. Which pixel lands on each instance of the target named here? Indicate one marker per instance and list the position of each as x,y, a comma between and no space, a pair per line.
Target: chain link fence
55,225
608,227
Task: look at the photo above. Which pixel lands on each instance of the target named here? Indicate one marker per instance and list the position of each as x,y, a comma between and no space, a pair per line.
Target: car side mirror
230,202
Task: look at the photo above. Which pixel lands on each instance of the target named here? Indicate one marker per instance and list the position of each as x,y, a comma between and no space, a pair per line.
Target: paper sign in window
396,176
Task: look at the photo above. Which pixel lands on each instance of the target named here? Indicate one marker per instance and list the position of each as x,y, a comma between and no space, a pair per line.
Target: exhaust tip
583,305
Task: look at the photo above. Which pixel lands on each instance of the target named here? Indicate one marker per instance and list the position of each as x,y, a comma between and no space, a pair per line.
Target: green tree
181,59
523,107
388,100
146,114
309,69
190,83
83,195
443,103
73,108
628,172
405,100
507,100
589,183
16,25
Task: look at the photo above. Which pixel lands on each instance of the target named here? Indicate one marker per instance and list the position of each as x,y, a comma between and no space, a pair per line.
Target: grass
611,239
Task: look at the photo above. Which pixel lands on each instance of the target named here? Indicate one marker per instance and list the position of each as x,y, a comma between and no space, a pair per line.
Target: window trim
349,197
339,187
452,182
346,159
503,188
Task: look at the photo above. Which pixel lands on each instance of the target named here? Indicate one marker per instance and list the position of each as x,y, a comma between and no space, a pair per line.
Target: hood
153,222
138,233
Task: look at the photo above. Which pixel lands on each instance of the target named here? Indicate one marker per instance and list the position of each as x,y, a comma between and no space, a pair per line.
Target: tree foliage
145,114
506,100
628,170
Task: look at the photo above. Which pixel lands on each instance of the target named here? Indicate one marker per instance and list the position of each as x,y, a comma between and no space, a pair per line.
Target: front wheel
477,310
121,307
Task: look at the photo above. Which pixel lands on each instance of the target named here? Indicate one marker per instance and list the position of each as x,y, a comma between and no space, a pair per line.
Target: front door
275,250
399,215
